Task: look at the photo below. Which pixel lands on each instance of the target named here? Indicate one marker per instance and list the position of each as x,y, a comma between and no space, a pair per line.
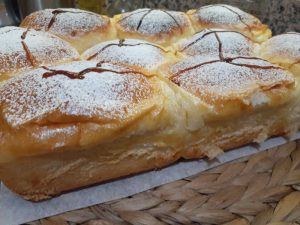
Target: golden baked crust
24,49
211,42
231,18
73,106
283,49
159,26
233,85
128,52
44,176
132,105
81,28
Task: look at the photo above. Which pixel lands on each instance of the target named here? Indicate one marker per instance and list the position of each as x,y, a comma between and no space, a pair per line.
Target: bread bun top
72,25
212,42
231,18
132,52
159,26
75,92
24,49
234,83
282,49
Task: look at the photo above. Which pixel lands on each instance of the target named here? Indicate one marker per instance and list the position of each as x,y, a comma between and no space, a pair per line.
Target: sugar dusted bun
132,52
239,100
231,18
81,28
211,42
24,49
81,108
106,97
283,49
159,26
233,85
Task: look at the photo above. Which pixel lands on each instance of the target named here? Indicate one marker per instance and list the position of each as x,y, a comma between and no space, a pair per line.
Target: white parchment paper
15,210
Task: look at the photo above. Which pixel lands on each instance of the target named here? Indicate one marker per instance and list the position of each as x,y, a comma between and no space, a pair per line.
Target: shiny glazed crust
157,93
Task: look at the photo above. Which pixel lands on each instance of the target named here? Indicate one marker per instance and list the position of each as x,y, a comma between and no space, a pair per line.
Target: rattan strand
257,190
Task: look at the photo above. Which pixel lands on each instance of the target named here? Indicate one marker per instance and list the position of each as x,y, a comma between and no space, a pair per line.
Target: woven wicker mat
260,189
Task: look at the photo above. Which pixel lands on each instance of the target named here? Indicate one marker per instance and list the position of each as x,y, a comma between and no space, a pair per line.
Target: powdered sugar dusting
220,80
44,48
100,97
206,43
69,22
129,51
284,45
221,14
153,22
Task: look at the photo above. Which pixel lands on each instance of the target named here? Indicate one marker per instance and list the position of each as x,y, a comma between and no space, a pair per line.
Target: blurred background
280,15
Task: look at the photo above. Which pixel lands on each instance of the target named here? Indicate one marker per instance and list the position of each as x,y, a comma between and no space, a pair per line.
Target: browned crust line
143,17
80,75
131,14
208,33
229,61
29,56
147,12
239,16
192,67
122,44
220,47
59,11
177,23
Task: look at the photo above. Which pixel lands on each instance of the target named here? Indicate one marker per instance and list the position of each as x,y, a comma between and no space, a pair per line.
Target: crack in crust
220,47
239,16
60,11
178,25
80,75
143,17
29,56
122,44
231,10
208,33
226,60
131,14
147,12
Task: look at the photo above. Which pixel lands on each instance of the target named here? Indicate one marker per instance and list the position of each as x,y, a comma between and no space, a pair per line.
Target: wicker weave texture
258,190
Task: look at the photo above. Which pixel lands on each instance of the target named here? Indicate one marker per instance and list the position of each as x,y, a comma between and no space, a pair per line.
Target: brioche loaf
154,86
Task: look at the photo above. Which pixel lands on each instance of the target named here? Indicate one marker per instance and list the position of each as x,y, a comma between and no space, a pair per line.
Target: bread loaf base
42,177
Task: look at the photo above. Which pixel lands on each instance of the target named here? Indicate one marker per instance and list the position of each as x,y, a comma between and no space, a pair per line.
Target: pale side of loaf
150,87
